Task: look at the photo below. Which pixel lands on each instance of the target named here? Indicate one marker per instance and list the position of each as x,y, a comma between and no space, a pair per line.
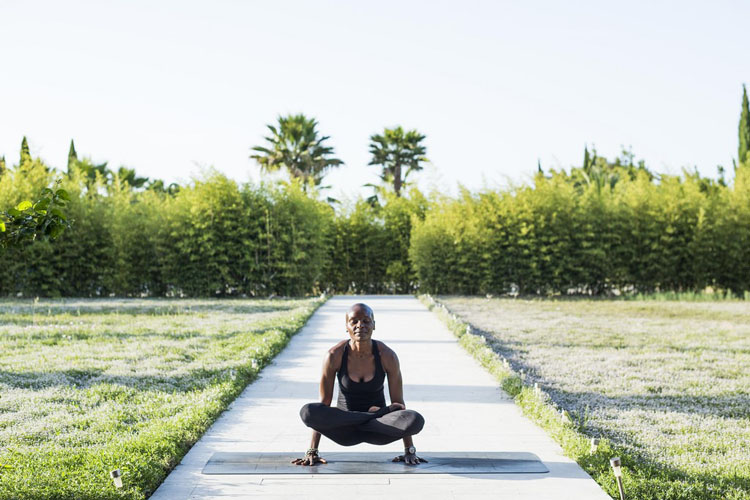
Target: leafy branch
29,221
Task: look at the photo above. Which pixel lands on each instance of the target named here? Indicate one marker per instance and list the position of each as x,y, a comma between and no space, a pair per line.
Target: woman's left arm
393,371
396,389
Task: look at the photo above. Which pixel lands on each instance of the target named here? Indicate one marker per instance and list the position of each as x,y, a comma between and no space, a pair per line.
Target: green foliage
25,158
295,146
72,155
28,221
358,238
25,221
91,172
136,235
744,131
610,228
369,245
204,231
209,238
399,153
128,175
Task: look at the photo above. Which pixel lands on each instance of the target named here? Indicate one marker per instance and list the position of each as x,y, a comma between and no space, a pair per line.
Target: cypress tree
744,130
72,155
25,153
2,165
586,158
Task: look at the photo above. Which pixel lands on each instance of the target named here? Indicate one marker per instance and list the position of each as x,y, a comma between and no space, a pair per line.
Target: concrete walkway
464,410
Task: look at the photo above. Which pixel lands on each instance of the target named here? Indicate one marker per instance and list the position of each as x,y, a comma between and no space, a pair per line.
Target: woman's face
359,324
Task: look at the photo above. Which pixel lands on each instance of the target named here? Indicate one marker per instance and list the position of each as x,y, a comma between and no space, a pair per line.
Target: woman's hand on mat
410,459
309,459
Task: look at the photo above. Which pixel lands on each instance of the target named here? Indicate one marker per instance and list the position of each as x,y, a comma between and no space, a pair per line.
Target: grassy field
665,382
87,386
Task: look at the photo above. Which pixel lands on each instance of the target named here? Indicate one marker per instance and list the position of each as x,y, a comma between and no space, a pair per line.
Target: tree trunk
397,179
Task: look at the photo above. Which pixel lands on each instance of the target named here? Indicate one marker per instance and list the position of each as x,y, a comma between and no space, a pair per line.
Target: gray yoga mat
377,463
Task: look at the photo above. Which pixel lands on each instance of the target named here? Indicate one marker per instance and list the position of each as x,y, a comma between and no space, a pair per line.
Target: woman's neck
361,348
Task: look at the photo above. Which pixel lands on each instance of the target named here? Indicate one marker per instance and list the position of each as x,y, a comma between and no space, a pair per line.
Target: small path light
617,469
564,416
116,476
594,445
468,329
536,389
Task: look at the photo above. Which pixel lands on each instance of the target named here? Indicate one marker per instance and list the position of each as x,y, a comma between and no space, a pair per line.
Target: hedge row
215,237
678,233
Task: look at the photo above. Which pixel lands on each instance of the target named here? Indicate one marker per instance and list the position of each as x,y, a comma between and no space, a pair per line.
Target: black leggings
348,428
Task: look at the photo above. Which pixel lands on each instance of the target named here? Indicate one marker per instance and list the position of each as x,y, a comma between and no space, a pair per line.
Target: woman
361,366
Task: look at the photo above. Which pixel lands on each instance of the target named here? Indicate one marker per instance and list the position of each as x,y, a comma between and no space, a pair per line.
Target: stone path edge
555,422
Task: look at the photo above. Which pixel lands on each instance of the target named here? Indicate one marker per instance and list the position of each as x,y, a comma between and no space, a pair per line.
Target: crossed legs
348,428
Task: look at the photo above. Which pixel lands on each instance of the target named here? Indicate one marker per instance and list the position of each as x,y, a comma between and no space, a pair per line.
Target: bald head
360,322
360,307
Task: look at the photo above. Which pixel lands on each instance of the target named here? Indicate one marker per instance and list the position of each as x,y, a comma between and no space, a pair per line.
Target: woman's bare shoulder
337,351
333,357
386,353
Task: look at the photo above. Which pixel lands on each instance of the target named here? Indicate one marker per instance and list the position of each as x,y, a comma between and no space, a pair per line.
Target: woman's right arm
327,380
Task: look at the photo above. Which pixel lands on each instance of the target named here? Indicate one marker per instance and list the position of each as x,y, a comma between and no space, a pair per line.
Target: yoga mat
377,463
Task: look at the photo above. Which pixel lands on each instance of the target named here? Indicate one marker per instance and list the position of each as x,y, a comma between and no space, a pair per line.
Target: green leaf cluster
294,144
399,153
43,219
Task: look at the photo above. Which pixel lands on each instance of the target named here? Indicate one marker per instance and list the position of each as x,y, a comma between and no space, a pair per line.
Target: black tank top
360,396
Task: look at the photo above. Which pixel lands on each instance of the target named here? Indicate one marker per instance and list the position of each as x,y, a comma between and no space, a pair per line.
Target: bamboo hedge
214,237
681,233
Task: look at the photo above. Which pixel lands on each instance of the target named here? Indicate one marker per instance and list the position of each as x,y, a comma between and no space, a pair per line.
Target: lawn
665,381
87,386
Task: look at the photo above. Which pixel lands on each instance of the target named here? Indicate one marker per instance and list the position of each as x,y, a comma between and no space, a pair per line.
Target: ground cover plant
665,383
87,386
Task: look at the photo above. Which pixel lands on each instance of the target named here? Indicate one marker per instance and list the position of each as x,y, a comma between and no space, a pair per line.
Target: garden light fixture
617,469
616,466
564,417
594,445
116,476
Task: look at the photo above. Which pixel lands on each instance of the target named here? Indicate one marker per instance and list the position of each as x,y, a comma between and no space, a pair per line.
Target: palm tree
128,175
295,145
400,153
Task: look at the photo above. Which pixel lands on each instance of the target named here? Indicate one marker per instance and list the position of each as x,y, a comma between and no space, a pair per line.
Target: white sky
166,87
